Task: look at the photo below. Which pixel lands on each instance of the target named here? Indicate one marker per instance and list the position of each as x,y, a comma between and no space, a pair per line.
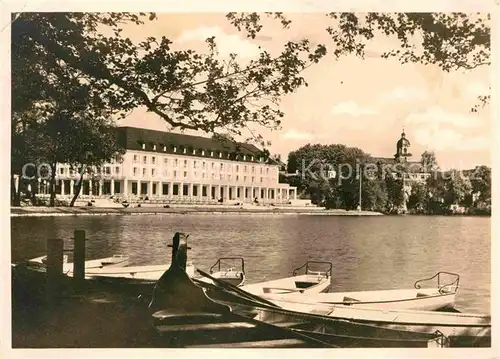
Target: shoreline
181,210
203,210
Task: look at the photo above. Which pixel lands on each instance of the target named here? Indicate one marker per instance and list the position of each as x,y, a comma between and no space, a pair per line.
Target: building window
228,155
244,157
61,170
237,168
237,178
175,149
194,152
267,171
203,165
261,159
229,177
220,154
165,161
175,174
253,169
253,179
195,165
185,174
164,148
143,146
184,150
245,179
153,160
135,158
252,158
261,170
203,175
211,153
176,162
261,180
144,160
221,176
117,170
143,172
152,172
203,152
185,163
108,170
154,147
135,171
213,165
246,169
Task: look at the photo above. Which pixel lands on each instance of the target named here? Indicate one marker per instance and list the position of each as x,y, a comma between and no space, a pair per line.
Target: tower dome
402,147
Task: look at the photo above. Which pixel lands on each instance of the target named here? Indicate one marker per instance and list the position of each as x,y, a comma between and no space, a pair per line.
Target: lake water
368,253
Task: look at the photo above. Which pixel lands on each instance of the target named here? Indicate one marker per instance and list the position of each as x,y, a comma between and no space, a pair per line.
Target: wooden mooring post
55,249
79,258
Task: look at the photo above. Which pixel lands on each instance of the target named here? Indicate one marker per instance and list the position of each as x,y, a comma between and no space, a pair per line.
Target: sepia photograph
255,179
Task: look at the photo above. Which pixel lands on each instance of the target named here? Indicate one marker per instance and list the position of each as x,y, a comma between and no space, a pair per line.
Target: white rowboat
430,299
117,260
312,282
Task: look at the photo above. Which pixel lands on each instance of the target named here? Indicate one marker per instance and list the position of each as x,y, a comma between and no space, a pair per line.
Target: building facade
410,171
175,167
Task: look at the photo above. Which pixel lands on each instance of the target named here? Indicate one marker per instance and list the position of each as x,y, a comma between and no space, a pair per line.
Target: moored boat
462,329
441,297
116,260
311,282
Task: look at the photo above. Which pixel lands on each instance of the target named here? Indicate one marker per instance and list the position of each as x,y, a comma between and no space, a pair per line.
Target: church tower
402,149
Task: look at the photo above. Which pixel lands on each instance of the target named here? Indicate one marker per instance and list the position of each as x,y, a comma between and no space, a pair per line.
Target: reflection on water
367,252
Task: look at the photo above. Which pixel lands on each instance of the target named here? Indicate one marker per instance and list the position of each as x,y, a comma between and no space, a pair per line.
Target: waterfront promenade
181,209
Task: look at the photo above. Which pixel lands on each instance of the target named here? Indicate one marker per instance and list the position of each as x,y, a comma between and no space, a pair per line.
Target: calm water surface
367,253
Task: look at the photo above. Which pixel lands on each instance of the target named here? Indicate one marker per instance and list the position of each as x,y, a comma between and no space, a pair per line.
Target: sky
357,102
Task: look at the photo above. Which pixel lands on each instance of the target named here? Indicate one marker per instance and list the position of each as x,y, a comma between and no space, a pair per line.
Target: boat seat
302,285
349,299
420,295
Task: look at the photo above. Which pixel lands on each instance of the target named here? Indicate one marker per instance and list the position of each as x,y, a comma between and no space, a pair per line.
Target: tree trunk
15,194
34,190
53,185
77,190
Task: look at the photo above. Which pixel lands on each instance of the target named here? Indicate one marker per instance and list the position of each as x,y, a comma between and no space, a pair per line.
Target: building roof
133,138
413,166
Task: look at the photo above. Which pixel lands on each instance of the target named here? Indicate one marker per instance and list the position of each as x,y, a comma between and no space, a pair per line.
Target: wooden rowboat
311,282
430,299
149,274
460,328
117,260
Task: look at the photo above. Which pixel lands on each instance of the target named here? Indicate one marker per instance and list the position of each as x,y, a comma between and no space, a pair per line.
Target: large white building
176,167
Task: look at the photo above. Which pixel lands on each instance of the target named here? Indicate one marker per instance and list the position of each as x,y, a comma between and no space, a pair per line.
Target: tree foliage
189,90
64,119
330,175
428,161
451,41
481,182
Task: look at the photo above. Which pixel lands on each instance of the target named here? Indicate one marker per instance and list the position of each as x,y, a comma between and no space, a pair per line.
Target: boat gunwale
354,303
332,318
